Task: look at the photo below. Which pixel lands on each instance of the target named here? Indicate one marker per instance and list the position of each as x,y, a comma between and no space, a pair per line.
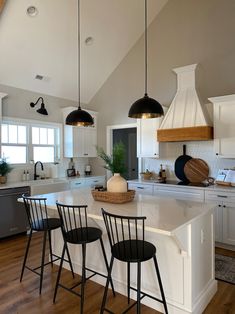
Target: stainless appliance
13,218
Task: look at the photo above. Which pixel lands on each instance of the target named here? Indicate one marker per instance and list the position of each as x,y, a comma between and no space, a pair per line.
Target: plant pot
3,179
117,184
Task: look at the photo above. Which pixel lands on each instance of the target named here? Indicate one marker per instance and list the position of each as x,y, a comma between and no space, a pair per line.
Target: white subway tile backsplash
201,149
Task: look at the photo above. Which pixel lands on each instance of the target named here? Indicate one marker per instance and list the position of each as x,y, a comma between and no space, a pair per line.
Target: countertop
164,215
44,181
214,187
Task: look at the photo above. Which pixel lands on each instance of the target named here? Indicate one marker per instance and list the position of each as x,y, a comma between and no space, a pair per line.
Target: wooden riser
2,3
198,133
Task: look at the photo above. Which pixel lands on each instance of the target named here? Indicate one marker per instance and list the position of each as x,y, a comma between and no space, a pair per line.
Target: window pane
21,134
35,135
50,136
43,136
4,133
14,154
13,134
44,154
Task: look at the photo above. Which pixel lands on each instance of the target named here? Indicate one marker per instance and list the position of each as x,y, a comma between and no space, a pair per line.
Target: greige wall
185,32
16,104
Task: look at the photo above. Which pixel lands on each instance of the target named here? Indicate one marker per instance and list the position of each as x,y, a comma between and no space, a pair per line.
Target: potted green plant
5,168
116,164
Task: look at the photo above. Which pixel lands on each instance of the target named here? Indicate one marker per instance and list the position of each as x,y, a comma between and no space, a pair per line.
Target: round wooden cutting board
196,170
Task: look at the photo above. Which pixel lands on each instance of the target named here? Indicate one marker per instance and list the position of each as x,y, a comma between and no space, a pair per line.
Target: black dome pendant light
79,117
146,107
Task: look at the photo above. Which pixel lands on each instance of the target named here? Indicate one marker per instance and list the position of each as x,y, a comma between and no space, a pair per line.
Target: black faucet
35,175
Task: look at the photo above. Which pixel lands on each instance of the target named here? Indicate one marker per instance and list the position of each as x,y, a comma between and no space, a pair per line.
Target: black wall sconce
41,110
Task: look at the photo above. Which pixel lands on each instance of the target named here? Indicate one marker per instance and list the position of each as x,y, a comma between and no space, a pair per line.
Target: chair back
36,210
123,228
73,220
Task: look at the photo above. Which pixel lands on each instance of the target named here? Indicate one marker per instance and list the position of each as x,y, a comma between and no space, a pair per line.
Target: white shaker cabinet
79,141
224,215
90,182
224,126
141,188
179,192
229,223
147,144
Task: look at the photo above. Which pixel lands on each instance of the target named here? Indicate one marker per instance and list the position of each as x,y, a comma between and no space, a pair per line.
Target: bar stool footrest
147,295
69,289
45,264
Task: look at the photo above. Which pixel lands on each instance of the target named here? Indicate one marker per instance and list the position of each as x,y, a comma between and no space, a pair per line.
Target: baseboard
225,246
173,308
205,297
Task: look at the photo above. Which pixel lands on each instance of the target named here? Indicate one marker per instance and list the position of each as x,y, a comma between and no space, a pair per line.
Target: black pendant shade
145,108
79,117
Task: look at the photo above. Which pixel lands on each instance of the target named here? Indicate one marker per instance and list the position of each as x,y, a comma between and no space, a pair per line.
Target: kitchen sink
48,186
46,181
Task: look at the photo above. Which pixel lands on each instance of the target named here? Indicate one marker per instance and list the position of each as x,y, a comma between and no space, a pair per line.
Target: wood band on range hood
2,2
195,133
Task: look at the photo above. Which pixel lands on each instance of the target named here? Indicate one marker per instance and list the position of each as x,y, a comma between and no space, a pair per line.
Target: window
21,143
14,143
43,141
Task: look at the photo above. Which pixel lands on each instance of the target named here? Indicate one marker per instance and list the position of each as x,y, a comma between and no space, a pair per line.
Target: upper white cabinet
80,141
224,126
147,144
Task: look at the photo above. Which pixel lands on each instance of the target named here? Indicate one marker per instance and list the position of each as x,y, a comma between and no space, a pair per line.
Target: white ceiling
47,43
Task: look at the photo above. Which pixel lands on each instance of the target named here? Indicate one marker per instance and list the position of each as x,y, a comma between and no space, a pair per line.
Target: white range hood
185,119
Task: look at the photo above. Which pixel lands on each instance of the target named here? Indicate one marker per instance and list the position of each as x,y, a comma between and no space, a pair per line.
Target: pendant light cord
146,50
79,56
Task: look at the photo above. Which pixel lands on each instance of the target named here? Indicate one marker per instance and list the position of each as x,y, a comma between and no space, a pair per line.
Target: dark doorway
128,138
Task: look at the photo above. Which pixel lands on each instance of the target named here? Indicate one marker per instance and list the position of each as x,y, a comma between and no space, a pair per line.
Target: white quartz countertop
9,185
214,187
164,215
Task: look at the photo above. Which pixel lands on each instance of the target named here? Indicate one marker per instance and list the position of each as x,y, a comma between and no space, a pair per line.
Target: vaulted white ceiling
46,44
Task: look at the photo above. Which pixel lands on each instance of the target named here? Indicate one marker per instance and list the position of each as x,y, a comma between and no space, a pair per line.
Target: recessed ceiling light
89,41
32,11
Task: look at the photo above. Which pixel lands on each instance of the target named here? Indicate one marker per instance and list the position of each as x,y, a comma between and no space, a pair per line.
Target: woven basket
146,175
113,197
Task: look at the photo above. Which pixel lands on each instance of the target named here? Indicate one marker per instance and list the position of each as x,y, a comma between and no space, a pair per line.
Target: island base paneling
186,275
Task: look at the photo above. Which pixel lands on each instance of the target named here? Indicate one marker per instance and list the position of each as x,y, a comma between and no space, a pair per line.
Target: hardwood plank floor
16,297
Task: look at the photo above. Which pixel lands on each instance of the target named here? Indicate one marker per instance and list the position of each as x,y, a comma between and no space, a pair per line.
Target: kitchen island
181,230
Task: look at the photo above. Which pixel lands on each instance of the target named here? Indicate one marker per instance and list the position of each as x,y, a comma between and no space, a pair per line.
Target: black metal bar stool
39,221
127,240
75,230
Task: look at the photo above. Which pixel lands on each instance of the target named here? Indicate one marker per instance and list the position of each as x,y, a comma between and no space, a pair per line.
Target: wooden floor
16,297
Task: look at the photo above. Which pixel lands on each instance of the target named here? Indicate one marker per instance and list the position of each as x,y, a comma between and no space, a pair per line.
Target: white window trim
36,123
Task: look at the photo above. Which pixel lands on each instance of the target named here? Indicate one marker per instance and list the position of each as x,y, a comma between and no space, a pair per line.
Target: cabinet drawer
77,184
179,192
220,196
95,181
141,188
